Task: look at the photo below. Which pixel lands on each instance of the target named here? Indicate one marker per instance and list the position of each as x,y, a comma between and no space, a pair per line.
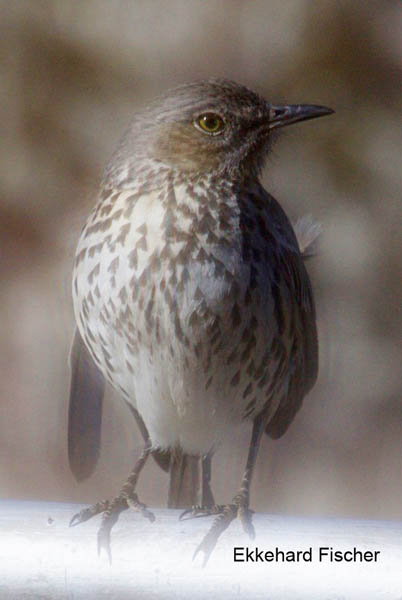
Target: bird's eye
210,123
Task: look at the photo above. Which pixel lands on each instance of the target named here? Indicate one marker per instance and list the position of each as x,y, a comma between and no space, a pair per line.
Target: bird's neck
153,174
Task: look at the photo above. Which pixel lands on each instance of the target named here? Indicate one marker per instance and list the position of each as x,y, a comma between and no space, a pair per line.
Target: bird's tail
189,480
308,232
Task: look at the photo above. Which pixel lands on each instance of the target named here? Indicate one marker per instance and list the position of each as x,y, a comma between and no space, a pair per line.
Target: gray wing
305,368
87,389
304,350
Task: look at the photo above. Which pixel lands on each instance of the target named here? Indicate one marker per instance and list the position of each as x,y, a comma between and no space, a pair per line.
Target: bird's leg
239,508
111,509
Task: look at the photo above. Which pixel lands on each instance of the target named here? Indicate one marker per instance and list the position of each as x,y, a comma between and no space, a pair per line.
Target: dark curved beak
279,116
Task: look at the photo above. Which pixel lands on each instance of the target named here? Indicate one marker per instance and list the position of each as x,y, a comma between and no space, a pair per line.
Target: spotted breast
178,296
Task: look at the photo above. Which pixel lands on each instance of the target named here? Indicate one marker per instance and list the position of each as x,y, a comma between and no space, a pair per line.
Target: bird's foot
197,511
91,511
111,510
226,513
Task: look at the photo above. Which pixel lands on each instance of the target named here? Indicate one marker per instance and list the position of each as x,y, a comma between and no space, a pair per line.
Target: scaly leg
239,508
111,509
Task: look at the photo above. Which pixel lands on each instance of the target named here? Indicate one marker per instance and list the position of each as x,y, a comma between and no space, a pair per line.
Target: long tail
189,481
85,410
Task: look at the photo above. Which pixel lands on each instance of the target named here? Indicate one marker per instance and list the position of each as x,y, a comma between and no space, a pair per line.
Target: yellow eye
210,123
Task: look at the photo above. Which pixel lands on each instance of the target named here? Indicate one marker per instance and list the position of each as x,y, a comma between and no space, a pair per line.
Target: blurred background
72,75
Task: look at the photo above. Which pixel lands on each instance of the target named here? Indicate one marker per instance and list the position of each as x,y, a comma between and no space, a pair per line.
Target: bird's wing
85,410
303,350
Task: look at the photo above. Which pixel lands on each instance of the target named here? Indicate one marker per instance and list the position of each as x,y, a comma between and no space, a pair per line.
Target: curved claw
140,507
184,513
148,515
201,511
195,514
84,515
207,546
87,513
195,511
110,518
226,515
196,551
206,555
75,520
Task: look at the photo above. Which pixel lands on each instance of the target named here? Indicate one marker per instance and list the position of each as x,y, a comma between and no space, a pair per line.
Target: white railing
42,557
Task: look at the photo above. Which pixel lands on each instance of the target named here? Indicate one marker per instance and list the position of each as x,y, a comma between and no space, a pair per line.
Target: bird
191,298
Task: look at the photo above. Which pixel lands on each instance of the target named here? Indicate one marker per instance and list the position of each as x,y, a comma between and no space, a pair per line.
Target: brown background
72,75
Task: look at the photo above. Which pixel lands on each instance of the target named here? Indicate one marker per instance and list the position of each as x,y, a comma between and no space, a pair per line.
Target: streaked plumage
189,286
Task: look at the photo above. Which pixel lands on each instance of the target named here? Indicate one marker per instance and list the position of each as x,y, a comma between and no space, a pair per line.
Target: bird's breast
171,311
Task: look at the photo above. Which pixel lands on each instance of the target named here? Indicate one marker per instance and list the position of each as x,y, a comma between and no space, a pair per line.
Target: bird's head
213,126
